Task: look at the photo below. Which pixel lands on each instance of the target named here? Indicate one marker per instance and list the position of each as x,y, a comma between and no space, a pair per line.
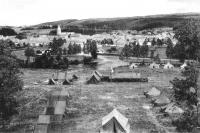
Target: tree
56,44
144,49
183,93
29,52
169,50
21,36
10,83
7,32
153,42
126,51
64,51
70,49
91,46
187,36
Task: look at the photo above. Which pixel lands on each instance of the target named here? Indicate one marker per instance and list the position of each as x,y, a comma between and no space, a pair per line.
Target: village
114,92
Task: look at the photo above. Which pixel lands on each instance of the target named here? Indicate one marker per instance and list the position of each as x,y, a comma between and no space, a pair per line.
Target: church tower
59,32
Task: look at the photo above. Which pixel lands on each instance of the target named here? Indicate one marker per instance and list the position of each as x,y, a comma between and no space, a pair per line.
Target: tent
184,65
161,101
132,66
172,109
75,77
168,66
94,79
115,122
66,82
52,82
152,93
154,65
98,74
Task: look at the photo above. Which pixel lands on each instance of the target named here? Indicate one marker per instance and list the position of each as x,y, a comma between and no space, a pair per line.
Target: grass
92,102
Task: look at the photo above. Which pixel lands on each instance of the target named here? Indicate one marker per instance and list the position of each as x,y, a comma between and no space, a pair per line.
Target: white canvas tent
133,66
115,122
152,93
172,109
154,65
183,66
161,101
168,66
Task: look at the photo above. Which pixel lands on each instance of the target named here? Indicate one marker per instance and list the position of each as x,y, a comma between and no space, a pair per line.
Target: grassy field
92,102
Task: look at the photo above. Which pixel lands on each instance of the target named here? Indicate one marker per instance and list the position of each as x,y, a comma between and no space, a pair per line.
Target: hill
134,23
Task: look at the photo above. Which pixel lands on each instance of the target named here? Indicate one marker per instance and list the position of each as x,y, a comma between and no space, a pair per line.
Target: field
92,102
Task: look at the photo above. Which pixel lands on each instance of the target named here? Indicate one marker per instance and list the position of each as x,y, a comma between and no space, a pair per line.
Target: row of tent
163,102
52,81
156,66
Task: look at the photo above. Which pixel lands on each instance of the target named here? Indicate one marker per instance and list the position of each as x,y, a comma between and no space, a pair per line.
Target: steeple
59,32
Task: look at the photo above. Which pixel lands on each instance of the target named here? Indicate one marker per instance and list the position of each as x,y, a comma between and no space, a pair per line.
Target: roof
51,81
173,109
44,119
162,100
66,82
95,76
60,108
122,120
153,92
183,66
98,74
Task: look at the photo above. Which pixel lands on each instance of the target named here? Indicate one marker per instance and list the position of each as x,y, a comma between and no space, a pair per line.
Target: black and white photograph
99,66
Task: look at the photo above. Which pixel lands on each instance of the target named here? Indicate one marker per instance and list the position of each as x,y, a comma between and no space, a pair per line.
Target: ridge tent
115,122
172,109
152,93
98,74
161,101
74,77
66,82
183,66
133,66
51,82
94,79
154,65
168,66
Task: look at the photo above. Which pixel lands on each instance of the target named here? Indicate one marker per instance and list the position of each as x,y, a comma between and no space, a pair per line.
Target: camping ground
91,102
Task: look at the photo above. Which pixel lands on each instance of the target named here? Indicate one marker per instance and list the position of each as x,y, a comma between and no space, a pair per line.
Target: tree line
134,50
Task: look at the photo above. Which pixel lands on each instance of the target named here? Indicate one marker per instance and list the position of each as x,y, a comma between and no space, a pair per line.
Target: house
115,122
168,66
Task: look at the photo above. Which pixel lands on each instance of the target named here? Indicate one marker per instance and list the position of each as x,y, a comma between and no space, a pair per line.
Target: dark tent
74,77
51,82
66,82
98,74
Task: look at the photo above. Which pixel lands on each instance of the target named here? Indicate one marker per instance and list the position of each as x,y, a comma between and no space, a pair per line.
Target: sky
30,12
